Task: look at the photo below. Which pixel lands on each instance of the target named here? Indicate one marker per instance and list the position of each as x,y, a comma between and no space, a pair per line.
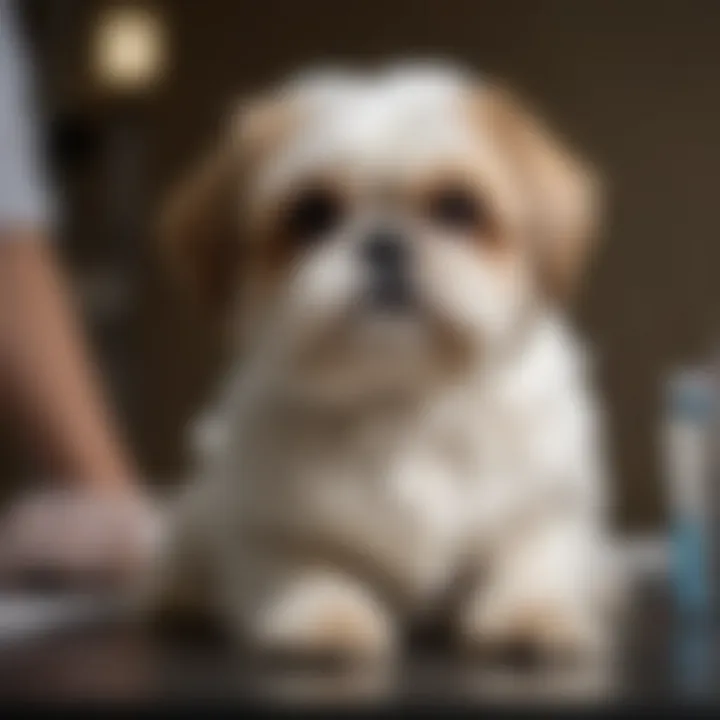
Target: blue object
691,566
690,411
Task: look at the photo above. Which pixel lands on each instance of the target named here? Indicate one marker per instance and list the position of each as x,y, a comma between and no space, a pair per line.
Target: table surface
662,660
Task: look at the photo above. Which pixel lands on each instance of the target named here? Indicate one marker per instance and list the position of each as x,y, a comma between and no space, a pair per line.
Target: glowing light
129,51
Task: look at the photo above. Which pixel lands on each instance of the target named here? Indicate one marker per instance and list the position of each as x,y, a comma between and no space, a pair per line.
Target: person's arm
95,522
43,360
54,385
99,520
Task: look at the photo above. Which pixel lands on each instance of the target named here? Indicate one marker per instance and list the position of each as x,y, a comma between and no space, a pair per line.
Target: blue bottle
688,450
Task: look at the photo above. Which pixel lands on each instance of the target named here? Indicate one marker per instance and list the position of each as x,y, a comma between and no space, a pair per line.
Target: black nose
386,254
385,251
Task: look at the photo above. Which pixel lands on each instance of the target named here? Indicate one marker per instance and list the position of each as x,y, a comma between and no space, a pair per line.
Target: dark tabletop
660,660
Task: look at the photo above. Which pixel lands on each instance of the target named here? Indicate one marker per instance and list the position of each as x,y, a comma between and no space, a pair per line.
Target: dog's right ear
201,223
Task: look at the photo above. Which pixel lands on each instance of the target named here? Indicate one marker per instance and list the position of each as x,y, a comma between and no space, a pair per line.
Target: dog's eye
312,214
456,208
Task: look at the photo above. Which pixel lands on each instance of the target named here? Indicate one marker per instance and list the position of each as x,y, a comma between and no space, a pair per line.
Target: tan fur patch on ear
201,224
258,125
563,191
198,228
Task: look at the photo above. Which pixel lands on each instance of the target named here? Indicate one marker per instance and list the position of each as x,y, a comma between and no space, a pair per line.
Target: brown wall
634,83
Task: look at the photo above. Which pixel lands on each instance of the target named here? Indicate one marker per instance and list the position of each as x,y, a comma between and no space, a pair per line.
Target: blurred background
132,91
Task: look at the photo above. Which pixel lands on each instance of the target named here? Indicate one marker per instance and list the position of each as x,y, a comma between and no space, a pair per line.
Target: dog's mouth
394,344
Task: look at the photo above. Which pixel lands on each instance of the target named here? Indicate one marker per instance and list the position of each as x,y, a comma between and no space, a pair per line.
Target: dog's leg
177,585
541,593
295,610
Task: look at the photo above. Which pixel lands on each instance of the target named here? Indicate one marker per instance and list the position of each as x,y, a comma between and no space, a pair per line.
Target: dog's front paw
325,619
530,630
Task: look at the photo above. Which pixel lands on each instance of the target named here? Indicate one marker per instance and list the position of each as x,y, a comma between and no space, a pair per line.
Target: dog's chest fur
414,492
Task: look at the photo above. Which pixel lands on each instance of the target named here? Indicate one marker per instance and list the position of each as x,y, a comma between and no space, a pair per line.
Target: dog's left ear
563,192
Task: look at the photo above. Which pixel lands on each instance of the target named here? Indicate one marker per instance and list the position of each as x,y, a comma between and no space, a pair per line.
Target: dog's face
374,234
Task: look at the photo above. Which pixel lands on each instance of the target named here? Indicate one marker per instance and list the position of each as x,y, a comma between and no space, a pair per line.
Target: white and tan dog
392,253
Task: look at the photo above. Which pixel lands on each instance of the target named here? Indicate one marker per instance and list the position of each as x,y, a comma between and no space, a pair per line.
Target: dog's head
377,232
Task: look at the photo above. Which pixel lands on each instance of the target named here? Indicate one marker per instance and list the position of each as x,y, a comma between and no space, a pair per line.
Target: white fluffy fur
344,495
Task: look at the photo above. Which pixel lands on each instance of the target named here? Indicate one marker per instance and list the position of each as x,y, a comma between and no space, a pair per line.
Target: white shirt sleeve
24,196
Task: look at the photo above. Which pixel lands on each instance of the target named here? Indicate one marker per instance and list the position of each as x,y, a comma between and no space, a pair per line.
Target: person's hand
82,537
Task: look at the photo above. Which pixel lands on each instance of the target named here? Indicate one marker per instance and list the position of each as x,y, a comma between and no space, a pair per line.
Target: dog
408,428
